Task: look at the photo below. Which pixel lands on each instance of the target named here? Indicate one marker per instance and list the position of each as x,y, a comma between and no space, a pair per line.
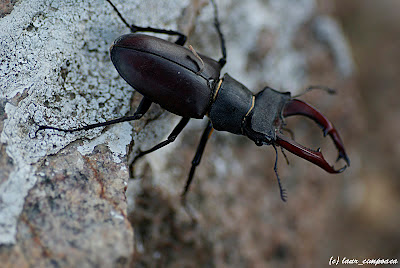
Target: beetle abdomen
166,73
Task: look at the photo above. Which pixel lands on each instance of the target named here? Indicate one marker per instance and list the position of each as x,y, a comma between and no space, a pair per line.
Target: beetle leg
197,158
134,28
298,107
177,130
140,111
222,60
180,41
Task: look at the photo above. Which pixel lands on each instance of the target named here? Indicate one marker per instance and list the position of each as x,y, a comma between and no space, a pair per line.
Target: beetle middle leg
197,157
171,138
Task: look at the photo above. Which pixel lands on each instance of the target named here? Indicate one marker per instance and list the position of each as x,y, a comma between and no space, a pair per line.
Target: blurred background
370,226
355,215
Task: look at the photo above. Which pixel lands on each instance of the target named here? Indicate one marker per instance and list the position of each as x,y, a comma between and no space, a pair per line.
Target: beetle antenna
281,190
328,90
284,154
291,133
222,61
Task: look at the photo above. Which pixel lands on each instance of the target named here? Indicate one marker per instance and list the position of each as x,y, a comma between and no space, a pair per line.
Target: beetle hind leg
140,111
222,60
134,28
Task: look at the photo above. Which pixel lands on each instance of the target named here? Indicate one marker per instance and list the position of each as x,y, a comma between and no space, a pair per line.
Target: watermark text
345,260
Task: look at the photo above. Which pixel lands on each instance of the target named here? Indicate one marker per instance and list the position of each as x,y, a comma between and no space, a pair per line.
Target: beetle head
266,121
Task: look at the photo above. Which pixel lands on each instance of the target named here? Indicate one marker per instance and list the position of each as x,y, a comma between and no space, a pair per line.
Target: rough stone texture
62,196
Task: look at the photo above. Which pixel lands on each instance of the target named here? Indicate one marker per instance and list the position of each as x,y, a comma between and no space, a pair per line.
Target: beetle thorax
232,102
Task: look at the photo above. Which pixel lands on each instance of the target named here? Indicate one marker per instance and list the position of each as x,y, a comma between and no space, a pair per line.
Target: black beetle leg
134,28
175,132
222,60
141,110
181,39
197,157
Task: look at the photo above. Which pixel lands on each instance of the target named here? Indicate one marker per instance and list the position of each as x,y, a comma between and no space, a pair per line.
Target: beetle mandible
189,85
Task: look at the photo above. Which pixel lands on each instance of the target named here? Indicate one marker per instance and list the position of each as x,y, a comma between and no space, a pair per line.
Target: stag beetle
189,85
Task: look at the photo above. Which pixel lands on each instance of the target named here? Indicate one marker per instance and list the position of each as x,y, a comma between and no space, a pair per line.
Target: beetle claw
298,107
